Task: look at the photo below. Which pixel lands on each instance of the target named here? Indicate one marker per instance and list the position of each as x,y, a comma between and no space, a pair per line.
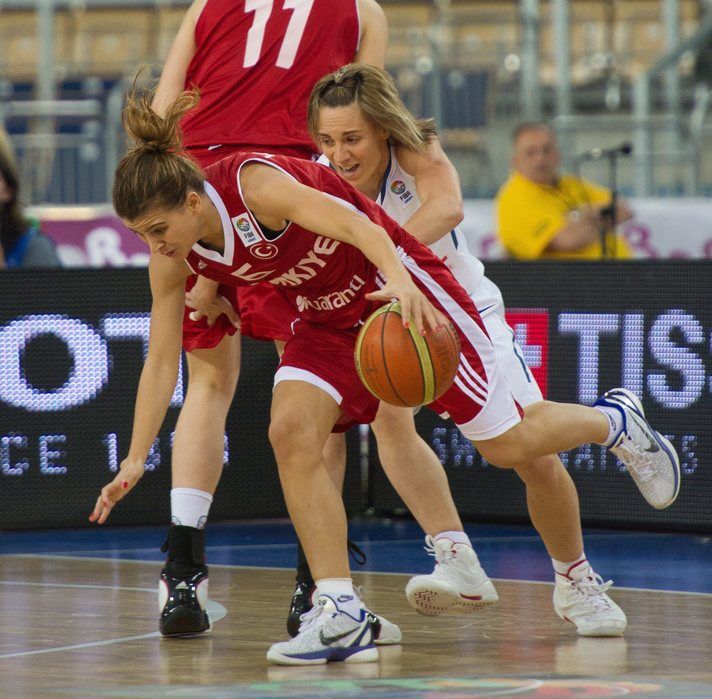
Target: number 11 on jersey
292,37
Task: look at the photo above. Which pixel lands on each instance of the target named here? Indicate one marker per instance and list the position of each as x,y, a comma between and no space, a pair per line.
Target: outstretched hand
129,474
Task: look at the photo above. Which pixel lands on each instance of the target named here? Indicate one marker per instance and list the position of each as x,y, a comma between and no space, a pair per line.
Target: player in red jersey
254,63
336,255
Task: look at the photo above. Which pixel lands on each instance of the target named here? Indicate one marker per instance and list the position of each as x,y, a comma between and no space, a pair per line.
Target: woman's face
171,232
357,148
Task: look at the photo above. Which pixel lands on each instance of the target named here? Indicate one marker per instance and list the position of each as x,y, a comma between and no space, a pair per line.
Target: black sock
186,551
303,572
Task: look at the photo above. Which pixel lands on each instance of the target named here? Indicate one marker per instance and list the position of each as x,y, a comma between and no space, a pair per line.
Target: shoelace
440,554
639,463
309,618
593,588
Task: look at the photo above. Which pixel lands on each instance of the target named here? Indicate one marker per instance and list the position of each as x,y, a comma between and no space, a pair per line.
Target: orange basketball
399,365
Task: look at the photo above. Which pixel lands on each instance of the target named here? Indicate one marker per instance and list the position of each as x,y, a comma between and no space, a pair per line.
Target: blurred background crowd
624,87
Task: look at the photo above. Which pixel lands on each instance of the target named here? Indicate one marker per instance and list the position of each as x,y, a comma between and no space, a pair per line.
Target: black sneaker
301,604
182,603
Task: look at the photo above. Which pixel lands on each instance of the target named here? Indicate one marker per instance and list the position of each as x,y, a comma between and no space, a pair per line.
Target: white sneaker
326,634
385,633
650,458
584,603
458,585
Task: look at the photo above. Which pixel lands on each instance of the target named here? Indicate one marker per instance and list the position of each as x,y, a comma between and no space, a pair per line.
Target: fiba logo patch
264,251
397,187
243,224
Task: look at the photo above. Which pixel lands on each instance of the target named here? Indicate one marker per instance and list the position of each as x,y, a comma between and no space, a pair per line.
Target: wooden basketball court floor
78,612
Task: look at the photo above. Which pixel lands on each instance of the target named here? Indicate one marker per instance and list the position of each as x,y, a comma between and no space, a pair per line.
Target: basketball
399,365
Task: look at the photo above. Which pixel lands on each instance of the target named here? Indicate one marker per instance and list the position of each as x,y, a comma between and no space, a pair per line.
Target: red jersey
256,62
325,279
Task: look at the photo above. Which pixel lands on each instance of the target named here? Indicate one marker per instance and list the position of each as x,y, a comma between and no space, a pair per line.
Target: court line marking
216,611
399,542
365,572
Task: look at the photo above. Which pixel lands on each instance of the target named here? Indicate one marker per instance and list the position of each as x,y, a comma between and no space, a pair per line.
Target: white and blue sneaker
650,459
328,634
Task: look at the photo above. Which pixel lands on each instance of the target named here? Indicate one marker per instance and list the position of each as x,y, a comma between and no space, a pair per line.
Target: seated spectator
544,214
22,244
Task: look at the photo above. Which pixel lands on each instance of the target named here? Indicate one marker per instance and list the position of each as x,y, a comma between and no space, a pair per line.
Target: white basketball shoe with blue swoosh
650,459
328,634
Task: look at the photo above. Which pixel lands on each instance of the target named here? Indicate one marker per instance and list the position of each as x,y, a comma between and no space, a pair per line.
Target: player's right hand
129,474
213,310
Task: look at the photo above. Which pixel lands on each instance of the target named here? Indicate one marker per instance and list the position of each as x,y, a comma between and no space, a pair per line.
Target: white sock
190,507
572,570
341,590
615,421
455,537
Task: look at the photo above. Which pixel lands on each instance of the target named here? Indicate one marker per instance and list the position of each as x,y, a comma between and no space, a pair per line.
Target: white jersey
399,199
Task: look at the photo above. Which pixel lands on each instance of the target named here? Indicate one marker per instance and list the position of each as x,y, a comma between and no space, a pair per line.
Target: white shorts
510,358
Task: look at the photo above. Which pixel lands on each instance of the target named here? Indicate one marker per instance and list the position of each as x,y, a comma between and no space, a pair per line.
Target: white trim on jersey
255,222
228,234
470,329
333,197
291,373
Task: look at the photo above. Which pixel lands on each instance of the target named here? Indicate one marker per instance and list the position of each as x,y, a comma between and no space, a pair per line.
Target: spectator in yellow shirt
544,214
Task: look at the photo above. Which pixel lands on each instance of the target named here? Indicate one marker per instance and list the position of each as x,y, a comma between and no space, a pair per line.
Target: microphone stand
609,214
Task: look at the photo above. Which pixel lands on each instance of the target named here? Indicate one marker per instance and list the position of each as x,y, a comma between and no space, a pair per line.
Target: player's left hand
129,474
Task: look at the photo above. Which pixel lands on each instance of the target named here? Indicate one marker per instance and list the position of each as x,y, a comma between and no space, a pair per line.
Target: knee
290,433
219,382
544,471
505,451
391,421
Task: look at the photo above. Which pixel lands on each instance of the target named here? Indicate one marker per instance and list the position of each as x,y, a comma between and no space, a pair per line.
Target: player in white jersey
367,135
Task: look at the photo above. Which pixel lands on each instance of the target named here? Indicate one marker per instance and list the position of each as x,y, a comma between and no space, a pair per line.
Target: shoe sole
182,623
385,640
367,655
432,600
664,443
601,632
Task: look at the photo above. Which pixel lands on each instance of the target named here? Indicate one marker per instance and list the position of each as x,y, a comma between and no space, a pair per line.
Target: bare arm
374,34
172,81
276,198
438,186
158,378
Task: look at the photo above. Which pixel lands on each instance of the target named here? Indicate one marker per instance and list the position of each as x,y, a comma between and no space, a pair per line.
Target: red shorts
479,401
264,313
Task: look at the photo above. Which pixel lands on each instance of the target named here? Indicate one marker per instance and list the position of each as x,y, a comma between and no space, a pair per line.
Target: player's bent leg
553,506
458,584
579,593
197,465
414,470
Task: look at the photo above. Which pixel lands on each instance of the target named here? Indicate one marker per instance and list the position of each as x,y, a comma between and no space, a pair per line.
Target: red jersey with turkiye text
256,62
326,280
